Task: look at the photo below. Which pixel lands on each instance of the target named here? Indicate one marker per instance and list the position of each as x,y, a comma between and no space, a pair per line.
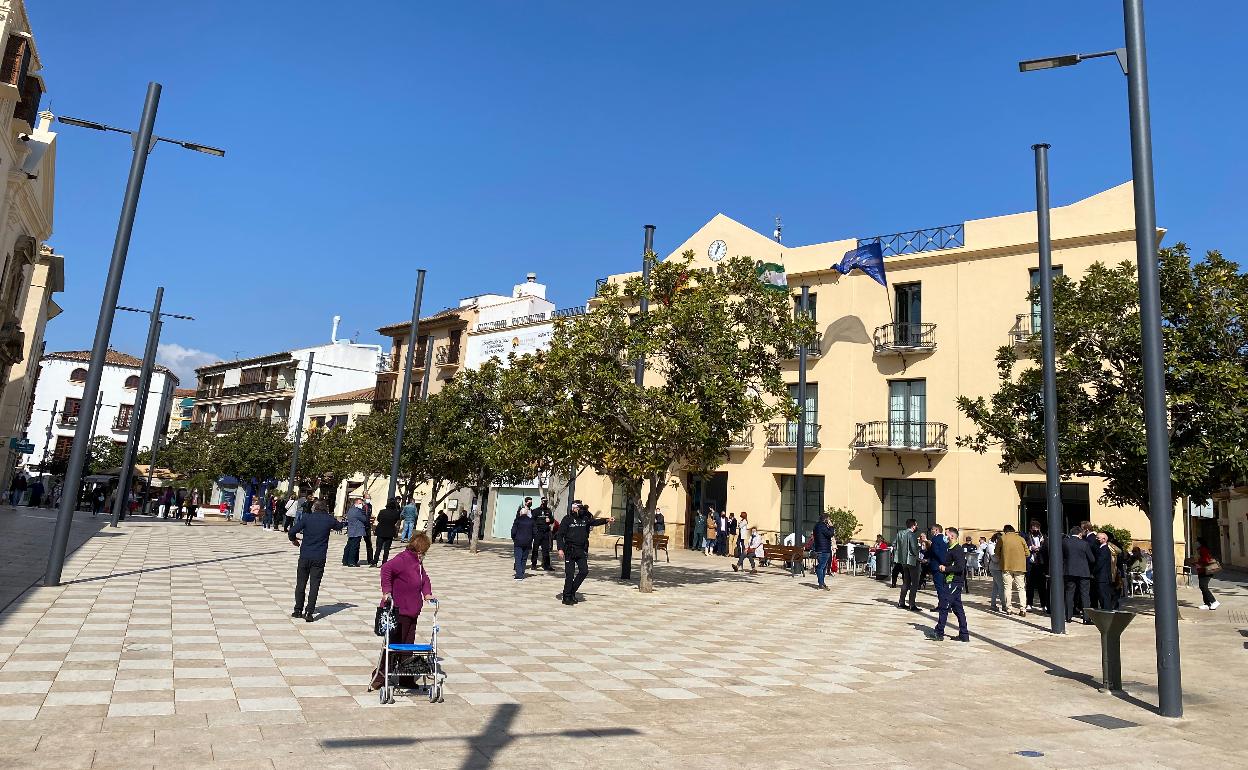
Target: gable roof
111,358
350,397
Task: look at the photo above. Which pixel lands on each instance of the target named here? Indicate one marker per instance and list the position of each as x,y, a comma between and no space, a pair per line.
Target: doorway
1033,505
704,491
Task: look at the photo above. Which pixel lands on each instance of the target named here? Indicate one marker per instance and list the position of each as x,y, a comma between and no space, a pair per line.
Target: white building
58,405
522,323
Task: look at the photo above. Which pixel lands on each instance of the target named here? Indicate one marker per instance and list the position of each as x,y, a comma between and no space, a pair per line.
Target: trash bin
883,564
1111,624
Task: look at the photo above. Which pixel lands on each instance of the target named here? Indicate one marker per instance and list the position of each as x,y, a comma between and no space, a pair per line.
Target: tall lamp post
1052,474
303,410
1133,60
799,473
143,140
639,377
407,385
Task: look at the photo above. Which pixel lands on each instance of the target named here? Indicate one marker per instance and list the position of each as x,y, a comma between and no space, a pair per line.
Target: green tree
324,458
191,454
844,522
370,445
713,342
433,451
104,454
254,450
1100,409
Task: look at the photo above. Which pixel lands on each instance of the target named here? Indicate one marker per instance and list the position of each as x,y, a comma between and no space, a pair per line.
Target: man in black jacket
1103,573
574,548
952,571
1078,562
387,529
522,535
543,521
315,527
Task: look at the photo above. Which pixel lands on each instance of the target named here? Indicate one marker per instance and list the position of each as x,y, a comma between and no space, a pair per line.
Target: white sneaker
1216,604
1204,606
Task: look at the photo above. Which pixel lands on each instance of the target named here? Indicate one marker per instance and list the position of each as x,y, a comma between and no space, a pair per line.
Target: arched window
132,382
78,375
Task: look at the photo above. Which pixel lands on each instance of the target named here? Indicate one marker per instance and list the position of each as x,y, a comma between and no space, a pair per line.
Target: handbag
384,621
1213,567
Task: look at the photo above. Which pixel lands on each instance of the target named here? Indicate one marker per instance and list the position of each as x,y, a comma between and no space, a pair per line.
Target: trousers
1077,590
541,542
909,584
310,571
1037,585
821,566
951,601
351,552
575,568
522,555
383,549
1014,584
368,542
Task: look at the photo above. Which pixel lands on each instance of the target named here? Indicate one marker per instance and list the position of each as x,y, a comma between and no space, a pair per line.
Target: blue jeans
699,542
408,524
821,565
522,556
950,599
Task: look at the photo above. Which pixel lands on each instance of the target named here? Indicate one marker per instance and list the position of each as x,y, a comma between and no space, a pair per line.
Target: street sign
25,447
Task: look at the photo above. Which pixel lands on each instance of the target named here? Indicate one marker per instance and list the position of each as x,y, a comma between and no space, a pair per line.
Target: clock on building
717,251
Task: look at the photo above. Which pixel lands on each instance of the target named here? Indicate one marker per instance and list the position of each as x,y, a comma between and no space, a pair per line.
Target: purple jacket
404,578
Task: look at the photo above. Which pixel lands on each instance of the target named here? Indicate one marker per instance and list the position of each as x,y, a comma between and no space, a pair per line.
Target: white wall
358,370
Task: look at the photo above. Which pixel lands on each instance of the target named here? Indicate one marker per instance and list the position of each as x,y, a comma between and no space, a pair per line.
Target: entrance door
1033,505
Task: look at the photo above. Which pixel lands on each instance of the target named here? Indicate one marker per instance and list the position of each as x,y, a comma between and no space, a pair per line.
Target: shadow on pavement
168,566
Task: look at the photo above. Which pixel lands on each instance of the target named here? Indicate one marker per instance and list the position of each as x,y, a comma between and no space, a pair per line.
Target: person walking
405,582
409,514
357,522
752,549
16,488
821,541
522,535
289,509
573,539
743,533
952,572
1037,566
1013,550
97,501
370,556
543,524
906,554
1205,566
315,527
996,602
387,528
937,547
1078,561
699,531
732,543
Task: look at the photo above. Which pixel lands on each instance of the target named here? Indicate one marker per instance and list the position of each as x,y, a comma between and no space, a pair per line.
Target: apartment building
58,407
181,410
880,412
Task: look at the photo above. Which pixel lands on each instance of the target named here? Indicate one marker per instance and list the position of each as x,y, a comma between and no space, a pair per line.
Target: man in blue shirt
315,527
821,546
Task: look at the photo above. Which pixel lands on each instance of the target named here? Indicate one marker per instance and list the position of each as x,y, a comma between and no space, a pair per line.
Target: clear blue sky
485,140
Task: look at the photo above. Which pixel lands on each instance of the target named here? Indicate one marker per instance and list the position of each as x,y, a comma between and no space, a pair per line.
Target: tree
191,454
844,522
1100,409
713,342
104,454
370,445
432,450
254,451
324,457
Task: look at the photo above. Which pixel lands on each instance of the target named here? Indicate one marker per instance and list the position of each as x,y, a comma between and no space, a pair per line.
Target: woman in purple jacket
404,580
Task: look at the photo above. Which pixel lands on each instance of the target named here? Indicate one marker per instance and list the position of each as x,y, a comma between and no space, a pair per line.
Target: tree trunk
646,582
433,504
478,508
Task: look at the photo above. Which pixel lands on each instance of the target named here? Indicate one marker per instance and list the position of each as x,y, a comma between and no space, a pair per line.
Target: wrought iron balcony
67,420
446,355
783,435
742,440
925,437
900,338
121,423
916,241
813,350
569,312
1026,329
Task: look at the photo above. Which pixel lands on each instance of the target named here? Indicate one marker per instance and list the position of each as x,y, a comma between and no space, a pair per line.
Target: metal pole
799,478
140,410
572,488
424,378
1052,475
162,420
639,376
103,328
407,385
47,437
1160,501
95,420
303,408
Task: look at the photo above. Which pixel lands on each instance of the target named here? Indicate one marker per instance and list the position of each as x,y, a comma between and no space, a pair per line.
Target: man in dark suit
1078,561
1103,573
952,573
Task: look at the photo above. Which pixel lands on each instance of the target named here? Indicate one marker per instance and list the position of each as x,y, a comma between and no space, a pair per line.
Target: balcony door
1034,279
908,311
907,412
812,414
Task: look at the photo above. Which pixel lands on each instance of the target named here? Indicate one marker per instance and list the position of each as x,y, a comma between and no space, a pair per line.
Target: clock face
717,251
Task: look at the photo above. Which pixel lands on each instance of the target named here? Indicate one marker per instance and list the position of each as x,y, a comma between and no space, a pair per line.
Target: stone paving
171,646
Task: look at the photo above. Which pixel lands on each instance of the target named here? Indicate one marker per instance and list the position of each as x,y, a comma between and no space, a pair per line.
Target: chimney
531,277
333,335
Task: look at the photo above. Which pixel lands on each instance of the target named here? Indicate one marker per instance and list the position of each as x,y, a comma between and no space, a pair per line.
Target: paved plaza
171,646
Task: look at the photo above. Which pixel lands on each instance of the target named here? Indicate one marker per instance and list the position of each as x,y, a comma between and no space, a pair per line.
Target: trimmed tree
253,451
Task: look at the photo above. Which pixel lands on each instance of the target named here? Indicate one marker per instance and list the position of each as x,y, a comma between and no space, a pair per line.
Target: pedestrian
1206,566
16,488
743,532
460,525
97,500
253,512
1103,571
387,528
952,572
404,582
441,525
660,524
522,535
409,513
733,539
1077,561
315,527
752,549
370,556
996,601
188,509
1037,566
543,524
699,531
821,541
357,522
721,534
936,550
36,492
574,548
880,545
906,552
290,511
1013,551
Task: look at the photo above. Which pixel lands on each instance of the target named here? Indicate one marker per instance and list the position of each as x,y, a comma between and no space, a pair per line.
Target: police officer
574,548
543,519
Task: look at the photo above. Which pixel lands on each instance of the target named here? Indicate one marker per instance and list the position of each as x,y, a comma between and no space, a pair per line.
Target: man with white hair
357,524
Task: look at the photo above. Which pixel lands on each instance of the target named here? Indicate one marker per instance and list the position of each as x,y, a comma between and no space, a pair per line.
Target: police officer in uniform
543,521
574,548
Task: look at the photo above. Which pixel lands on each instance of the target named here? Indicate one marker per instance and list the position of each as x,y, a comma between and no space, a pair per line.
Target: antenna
779,230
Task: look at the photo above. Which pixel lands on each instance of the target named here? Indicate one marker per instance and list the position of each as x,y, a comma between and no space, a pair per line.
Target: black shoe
567,603
307,616
936,637
913,608
901,605
962,639
297,614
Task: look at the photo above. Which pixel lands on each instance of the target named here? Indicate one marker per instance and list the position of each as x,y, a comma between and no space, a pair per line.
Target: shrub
845,523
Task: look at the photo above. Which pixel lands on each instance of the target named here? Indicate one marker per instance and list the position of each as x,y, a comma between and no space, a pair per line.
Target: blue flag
869,259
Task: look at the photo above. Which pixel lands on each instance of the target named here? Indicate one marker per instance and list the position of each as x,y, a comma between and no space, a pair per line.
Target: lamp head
1049,62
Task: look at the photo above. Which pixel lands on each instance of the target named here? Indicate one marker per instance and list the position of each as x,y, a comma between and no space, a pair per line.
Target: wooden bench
782,553
659,541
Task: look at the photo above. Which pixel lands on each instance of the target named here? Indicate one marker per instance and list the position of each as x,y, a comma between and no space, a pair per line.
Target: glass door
909,313
812,415
1034,277
907,412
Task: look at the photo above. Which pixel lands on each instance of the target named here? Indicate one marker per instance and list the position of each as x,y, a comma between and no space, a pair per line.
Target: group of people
941,557
714,532
535,529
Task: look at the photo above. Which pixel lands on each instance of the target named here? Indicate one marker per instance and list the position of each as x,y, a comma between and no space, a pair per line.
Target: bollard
1111,624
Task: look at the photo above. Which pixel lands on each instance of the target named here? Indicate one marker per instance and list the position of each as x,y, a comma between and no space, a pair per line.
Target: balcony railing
814,349
742,440
783,435
905,338
569,312
122,423
1026,329
446,355
68,420
902,436
915,241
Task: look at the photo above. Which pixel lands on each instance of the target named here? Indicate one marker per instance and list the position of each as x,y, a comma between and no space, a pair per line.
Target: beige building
883,380
341,410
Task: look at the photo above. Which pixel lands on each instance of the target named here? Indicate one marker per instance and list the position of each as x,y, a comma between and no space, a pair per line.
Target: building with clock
880,406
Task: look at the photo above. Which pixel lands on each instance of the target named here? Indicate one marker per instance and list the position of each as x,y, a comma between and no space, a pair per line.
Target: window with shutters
78,375
132,382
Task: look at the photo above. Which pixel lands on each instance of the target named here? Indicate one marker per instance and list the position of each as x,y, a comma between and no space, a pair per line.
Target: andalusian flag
772,275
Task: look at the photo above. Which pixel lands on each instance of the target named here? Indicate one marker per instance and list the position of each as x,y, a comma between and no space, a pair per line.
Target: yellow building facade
884,379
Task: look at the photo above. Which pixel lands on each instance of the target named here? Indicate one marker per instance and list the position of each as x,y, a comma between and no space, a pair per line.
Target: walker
422,661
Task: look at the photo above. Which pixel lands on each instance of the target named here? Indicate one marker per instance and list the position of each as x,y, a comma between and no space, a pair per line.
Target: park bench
784,553
659,541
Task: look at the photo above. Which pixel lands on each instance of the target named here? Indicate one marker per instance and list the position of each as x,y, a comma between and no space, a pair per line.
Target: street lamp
143,141
1134,62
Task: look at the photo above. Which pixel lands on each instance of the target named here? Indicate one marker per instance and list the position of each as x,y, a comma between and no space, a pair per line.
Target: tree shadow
168,567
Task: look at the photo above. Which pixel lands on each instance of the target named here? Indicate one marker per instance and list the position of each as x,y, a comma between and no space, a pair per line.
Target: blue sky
485,140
